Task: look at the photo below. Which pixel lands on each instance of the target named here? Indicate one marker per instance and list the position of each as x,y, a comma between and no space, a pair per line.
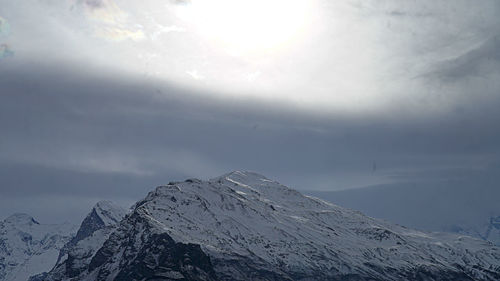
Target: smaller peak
103,214
243,175
105,204
109,212
23,218
245,179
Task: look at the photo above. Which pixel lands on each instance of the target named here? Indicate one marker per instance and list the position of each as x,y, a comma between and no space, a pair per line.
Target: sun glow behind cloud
319,55
302,53
243,27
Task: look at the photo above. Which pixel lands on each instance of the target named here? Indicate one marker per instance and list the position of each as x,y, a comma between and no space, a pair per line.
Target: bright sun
247,27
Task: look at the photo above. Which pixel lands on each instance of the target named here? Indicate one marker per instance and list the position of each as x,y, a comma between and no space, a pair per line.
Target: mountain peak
245,177
243,226
245,174
109,212
20,218
103,214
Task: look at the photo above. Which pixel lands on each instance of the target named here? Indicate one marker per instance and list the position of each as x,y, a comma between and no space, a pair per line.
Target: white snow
109,212
243,212
30,248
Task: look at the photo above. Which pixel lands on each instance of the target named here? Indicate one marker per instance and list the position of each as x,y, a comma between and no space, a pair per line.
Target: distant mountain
489,230
468,206
75,256
243,226
28,247
493,231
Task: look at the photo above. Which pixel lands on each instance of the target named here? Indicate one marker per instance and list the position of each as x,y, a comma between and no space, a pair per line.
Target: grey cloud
4,27
89,122
94,3
90,134
79,133
483,61
6,51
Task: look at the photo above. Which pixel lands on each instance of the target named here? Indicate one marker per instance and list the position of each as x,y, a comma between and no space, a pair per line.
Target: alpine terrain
75,256
243,226
28,247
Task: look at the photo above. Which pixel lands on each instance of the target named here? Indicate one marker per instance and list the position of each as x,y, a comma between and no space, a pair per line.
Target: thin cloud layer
5,49
84,133
356,56
109,21
4,27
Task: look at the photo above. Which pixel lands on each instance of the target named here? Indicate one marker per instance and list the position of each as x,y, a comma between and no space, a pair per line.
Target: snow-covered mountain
243,226
28,247
465,206
75,256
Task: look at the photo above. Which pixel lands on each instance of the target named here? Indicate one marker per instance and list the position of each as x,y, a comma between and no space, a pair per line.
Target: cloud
110,21
359,68
89,133
4,27
165,29
105,11
195,75
119,34
180,2
96,4
412,87
482,61
5,51
104,123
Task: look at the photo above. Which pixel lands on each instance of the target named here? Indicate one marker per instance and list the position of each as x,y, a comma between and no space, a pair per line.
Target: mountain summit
74,257
20,219
103,214
243,226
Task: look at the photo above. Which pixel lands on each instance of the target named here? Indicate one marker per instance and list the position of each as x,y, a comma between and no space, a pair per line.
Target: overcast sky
107,99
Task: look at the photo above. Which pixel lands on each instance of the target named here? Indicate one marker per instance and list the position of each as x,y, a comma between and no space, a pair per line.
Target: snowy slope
94,230
465,206
243,226
28,247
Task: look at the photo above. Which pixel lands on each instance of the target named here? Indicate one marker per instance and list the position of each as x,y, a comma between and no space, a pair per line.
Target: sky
106,99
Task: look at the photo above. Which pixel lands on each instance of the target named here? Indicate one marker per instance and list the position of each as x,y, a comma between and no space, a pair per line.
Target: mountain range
28,247
244,226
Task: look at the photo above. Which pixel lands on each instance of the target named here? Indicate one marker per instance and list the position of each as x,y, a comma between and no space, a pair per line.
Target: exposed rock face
138,251
243,226
28,247
75,256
